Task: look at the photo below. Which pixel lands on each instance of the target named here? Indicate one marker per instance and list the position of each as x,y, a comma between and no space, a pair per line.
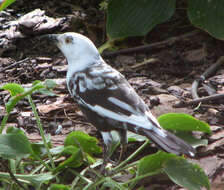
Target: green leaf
14,130
50,84
207,15
136,18
88,143
182,122
36,179
153,163
191,139
15,145
39,147
186,174
57,150
58,187
133,137
13,88
14,99
5,3
75,160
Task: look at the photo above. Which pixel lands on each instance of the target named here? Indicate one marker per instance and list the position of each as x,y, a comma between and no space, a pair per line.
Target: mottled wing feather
123,92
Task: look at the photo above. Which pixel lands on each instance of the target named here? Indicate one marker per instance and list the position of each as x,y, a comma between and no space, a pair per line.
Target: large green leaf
136,17
182,122
15,145
179,170
186,174
153,163
207,15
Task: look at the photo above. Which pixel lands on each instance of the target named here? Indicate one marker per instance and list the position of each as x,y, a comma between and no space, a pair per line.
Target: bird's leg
124,142
108,139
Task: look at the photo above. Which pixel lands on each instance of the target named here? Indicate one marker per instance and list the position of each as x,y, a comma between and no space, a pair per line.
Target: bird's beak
50,37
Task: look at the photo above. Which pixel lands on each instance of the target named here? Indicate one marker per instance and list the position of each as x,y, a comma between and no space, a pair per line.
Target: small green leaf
133,137
15,99
13,88
75,160
186,174
15,145
88,143
5,3
182,122
153,163
50,84
58,187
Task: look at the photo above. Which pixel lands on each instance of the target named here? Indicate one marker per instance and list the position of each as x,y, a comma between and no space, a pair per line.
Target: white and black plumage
107,99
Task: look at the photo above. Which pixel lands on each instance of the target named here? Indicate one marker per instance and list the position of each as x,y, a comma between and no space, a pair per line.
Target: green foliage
13,88
74,158
79,150
179,170
5,3
18,92
78,138
191,139
153,163
182,122
136,18
207,15
127,18
186,174
58,187
15,145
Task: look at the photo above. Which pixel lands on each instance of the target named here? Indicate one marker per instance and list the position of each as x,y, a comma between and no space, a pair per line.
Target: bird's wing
116,100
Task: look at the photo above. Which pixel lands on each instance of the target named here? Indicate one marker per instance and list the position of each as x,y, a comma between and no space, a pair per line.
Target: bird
107,99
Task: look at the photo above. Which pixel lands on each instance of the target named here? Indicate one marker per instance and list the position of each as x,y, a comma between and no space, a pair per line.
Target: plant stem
41,130
106,45
4,120
130,157
93,185
139,177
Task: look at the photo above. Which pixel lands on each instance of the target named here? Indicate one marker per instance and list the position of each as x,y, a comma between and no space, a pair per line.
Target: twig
198,100
144,63
151,46
205,75
14,64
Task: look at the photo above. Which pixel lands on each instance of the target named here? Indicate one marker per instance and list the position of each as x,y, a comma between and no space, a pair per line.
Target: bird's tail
168,141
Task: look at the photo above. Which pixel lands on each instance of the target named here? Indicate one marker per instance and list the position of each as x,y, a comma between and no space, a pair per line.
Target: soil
161,75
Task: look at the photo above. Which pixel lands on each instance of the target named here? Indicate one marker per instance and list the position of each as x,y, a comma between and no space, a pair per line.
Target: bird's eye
68,40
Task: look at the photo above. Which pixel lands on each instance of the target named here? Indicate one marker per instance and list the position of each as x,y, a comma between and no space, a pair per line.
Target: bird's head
77,48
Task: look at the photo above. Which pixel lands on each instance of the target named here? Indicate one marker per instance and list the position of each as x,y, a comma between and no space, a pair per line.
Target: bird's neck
81,64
